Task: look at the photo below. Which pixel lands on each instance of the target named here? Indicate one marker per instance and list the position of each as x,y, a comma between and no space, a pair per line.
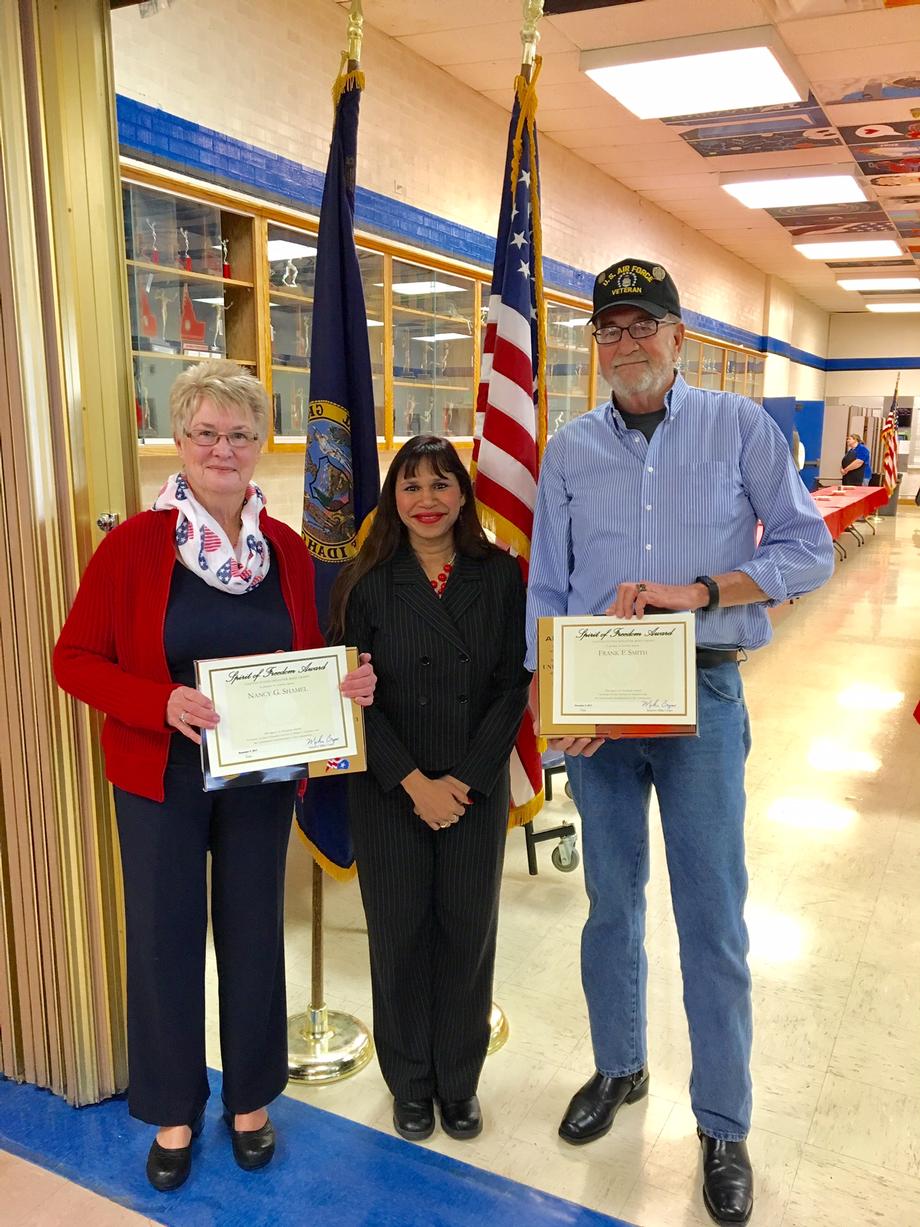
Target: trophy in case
148,320
290,274
154,252
185,260
191,327
225,249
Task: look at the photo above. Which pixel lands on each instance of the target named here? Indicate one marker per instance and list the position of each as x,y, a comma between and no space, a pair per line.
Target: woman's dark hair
387,530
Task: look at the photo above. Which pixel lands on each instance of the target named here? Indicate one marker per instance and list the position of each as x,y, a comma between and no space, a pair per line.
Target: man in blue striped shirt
653,500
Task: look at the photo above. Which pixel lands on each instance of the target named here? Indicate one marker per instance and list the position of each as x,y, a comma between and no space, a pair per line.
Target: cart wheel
568,791
565,860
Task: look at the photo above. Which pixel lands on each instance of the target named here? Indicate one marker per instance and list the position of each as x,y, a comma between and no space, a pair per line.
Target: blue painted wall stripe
156,136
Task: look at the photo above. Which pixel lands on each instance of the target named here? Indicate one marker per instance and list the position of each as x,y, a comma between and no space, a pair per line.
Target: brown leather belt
709,658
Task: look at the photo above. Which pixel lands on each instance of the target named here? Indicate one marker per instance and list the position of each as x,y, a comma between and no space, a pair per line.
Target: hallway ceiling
861,57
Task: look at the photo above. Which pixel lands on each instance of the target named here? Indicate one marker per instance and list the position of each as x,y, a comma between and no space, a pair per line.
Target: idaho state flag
341,473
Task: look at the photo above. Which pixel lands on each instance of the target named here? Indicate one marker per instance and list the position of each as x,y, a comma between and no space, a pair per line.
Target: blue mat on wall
327,1172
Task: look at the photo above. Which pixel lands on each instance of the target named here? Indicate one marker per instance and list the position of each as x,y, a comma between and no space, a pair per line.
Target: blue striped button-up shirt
613,508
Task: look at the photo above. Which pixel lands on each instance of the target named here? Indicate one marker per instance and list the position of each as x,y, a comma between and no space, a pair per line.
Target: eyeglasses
238,439
639,330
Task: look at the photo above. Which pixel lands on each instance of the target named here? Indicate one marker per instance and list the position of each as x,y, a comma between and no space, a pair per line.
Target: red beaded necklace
440,583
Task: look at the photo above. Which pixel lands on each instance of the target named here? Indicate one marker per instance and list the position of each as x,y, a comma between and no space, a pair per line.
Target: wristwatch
712,588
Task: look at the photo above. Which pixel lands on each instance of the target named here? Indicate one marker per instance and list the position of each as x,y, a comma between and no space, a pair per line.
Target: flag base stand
498,1029
326,1046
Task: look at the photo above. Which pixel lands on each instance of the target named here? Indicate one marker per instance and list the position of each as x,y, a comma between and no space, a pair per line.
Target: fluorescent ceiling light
375,323
893,308
282,249
220,301
879,283
444,336
725,71
856,249
576,323
774,191
410,288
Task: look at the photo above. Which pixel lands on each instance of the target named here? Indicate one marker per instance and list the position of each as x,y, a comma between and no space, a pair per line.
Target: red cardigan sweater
110,652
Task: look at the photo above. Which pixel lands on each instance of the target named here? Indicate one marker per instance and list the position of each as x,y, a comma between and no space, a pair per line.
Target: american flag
511,403
890,443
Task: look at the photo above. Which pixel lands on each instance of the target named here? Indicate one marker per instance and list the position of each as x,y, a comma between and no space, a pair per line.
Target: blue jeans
700,787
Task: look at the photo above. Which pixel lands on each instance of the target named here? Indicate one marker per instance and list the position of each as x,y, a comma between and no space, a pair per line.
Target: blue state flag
341,472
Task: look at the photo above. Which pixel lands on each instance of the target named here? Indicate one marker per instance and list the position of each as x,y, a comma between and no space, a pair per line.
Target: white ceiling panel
482,75
886,27
460,45
655,19
845,52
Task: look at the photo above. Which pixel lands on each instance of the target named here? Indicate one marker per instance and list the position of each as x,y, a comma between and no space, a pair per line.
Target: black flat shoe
728,1181
461,1118
252,1148
413,1119
167,1169
592,1110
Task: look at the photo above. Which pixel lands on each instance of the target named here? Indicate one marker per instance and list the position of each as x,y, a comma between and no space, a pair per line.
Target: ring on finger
184,717
640,587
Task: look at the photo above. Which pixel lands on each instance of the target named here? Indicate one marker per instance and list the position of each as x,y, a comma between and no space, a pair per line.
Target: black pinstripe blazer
452,687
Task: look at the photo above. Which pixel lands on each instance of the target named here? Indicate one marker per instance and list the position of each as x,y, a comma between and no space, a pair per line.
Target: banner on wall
511,400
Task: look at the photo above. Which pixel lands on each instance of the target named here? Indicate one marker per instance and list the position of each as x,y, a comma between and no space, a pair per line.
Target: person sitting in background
206,573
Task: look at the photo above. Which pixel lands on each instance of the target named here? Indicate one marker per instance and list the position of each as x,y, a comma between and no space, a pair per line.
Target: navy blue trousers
164,856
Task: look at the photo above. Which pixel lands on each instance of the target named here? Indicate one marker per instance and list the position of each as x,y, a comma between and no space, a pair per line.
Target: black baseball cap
636,283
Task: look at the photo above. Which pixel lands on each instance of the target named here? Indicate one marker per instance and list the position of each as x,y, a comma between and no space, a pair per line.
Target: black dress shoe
728,1182
592,1109
461,1118
413,1119
252,1148
167,1169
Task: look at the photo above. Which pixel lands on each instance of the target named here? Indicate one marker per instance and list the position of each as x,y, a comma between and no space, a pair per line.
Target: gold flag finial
355,34
530,35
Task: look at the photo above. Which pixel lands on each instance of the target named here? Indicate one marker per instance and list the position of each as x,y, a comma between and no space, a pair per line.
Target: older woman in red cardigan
206,573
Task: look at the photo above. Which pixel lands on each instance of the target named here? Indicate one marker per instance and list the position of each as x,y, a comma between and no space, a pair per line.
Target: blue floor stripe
327,1172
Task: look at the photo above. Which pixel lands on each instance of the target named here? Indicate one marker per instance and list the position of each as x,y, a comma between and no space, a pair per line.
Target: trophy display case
190,294
435,338
568,364
211,274
291,268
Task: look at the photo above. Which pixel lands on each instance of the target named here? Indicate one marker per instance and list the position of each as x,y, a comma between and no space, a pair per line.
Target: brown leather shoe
592,1110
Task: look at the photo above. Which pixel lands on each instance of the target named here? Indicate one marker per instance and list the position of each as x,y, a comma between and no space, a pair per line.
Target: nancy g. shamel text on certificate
624,671
277,710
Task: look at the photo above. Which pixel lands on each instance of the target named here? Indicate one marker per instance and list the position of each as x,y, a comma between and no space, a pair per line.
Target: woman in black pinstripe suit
442,611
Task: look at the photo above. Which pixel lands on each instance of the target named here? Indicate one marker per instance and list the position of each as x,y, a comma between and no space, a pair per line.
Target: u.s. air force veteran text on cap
636,283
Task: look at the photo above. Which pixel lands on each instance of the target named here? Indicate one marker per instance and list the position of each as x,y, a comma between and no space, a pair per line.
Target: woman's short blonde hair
227,385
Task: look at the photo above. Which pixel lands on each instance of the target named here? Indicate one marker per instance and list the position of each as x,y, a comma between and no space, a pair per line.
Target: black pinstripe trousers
431,902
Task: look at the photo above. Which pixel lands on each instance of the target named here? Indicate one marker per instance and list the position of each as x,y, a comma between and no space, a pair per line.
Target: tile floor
834,914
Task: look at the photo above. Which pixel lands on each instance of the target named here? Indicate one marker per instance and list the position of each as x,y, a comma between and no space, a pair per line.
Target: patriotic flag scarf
205,548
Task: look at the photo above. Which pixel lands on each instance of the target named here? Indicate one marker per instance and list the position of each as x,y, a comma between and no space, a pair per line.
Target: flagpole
326,1045
530,36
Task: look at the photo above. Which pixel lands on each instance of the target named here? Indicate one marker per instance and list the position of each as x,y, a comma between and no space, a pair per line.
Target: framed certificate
282,717
603,676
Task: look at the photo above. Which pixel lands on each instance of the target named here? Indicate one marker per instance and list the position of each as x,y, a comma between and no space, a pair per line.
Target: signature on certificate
662,705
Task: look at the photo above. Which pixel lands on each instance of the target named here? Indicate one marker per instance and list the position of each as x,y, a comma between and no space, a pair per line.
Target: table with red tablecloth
842,506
